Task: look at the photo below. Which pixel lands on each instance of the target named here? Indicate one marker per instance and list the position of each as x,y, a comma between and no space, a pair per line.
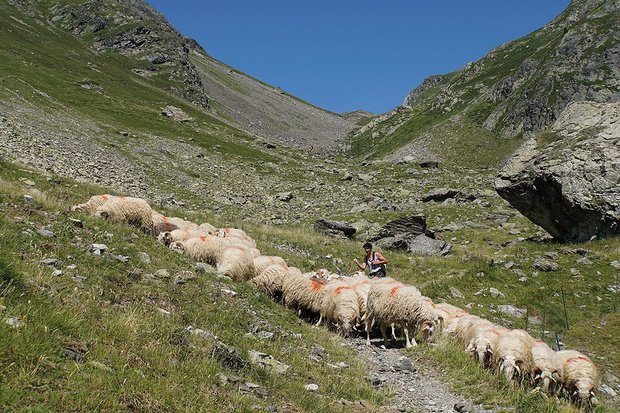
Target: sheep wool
207,248
207,228
341,306
271,280
581,377
264,261
133,211
169,237
513,355
92,204
236,233
482,342
392,303
547,371
304,293
236,263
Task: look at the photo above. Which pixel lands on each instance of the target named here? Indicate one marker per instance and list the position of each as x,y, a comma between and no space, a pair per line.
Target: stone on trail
267,362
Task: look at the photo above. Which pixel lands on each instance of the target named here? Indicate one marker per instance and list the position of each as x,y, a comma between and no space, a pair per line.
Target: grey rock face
571,187
423,245
334,227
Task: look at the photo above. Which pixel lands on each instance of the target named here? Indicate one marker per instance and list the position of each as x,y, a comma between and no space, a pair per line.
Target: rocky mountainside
570,186
489,106
159,53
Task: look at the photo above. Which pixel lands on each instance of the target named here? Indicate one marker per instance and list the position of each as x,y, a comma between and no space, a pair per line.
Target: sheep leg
383,333
318,323
393,332
368,324
412,342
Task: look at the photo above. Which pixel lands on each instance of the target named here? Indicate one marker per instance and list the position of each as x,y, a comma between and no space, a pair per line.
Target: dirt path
414,387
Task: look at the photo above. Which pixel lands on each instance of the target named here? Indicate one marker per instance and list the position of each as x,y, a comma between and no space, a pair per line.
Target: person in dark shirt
373,261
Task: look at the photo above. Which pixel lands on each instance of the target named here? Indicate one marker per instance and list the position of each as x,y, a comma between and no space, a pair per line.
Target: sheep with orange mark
580,376
340,306
304,293
547,368
208,228
92,204
206,249
446,314
168,237
513,355
255,252
482,339
236,262
271,280
392,303
162,223
263,261
236,233
133,211
458,327
361,285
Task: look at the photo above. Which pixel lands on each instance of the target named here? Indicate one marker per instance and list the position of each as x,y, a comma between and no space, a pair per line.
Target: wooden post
565,312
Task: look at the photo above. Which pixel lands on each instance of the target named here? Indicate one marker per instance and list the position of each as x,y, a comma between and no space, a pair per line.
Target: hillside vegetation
80,114
479,115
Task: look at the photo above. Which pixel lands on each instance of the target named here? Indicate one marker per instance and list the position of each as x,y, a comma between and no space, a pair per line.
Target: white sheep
271,280
162,223
236,233
168,237
133,211
580,376
92,204
341,306
361,284
482,341
304,293
446,314
206,249
547,370
208,228
263,261
513,355
393,303
236,262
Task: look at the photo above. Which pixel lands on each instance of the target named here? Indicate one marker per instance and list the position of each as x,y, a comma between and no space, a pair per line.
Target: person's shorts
378,274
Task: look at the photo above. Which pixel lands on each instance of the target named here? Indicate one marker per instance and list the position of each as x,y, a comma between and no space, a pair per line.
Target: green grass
134,357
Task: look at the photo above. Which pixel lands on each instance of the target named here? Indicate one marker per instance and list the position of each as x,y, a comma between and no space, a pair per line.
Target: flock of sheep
349,302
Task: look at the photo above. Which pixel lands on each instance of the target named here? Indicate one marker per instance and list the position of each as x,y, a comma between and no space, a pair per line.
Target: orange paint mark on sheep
104,197
237,247
394,291
582,358
339,290
318,284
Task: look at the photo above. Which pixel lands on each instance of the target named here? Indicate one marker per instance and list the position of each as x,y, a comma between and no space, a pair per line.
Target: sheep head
166,238
511,367
178,246
584,394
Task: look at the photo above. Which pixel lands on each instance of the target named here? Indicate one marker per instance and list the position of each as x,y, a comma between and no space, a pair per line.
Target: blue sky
344,55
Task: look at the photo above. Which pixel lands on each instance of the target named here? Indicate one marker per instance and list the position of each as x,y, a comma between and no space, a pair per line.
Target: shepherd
373,261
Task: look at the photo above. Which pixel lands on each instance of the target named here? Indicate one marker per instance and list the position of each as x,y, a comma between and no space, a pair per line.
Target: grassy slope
135,356
37,59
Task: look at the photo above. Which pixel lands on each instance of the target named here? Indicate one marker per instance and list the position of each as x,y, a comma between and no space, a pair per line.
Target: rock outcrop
571,186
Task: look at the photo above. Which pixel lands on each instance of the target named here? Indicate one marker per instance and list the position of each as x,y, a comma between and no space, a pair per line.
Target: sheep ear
538,376
489,350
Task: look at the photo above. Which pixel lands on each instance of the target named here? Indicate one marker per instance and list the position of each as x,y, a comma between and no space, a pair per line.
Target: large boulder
568,179
406,227
336,228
